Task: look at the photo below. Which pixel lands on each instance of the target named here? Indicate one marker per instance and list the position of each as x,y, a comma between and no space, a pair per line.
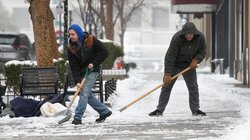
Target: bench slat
39,81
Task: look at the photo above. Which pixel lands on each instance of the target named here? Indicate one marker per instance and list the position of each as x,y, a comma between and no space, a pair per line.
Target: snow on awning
193,6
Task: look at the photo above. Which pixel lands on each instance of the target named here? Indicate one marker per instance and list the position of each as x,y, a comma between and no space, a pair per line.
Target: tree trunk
123,25
109,27
44,33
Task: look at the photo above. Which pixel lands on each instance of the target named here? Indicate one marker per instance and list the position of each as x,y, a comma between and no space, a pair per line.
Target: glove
167,79
194,64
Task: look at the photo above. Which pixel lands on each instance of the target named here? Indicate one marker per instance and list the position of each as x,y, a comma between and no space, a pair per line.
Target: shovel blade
64,119
63,112
67,113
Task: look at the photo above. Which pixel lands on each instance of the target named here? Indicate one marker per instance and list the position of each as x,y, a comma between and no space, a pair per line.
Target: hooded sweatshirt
181,51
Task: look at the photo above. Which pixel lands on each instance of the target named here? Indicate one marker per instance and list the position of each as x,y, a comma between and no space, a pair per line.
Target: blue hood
79,31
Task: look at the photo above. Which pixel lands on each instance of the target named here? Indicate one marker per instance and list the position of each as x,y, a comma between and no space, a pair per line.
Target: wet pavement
177,123
177,129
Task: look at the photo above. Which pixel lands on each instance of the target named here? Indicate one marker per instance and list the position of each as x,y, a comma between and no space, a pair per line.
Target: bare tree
125,9
44,33
90,15
109,22
106,13
81,14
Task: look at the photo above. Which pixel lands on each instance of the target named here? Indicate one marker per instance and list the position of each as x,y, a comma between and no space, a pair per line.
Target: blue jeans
86,96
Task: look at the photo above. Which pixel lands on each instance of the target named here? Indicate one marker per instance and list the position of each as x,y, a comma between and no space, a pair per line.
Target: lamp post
65,42
65,22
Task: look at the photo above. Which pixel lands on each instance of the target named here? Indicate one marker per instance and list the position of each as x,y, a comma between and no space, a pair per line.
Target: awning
193,6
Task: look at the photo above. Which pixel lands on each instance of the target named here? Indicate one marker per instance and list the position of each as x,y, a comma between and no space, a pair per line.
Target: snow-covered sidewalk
222,98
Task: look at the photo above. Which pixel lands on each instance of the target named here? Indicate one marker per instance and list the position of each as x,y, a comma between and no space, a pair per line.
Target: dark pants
190,78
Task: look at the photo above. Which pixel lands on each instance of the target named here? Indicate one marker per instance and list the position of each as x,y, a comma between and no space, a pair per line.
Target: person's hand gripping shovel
68,112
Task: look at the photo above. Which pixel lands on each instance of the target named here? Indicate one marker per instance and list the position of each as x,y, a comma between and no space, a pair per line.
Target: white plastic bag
48,109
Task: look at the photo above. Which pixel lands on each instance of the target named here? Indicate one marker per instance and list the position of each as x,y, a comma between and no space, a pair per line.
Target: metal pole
213,66
65,27
221,65
70,17
60,23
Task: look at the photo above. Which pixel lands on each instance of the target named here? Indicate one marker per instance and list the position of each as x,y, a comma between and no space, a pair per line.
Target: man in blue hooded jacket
187,49
86,52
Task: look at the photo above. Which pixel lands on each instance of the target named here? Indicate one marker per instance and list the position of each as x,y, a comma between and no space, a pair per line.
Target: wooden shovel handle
79,89
149,92
180,73
82,84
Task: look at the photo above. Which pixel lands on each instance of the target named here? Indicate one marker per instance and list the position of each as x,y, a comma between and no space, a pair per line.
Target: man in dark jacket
187,49
86,52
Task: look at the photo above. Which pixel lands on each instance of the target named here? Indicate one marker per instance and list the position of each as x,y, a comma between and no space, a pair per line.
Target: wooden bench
38,81
109,74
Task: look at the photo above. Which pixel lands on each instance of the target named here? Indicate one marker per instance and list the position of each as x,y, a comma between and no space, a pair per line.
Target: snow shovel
144,95
68,112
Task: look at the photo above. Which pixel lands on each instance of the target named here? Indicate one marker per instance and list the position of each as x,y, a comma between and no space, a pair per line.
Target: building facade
149,33
226,27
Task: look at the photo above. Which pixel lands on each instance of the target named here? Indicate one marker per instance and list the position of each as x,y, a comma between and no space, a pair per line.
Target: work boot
103,117
155,113
199,113
76,121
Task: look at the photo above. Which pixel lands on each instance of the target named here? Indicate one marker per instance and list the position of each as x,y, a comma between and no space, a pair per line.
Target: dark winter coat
181,52
80,56
24,107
